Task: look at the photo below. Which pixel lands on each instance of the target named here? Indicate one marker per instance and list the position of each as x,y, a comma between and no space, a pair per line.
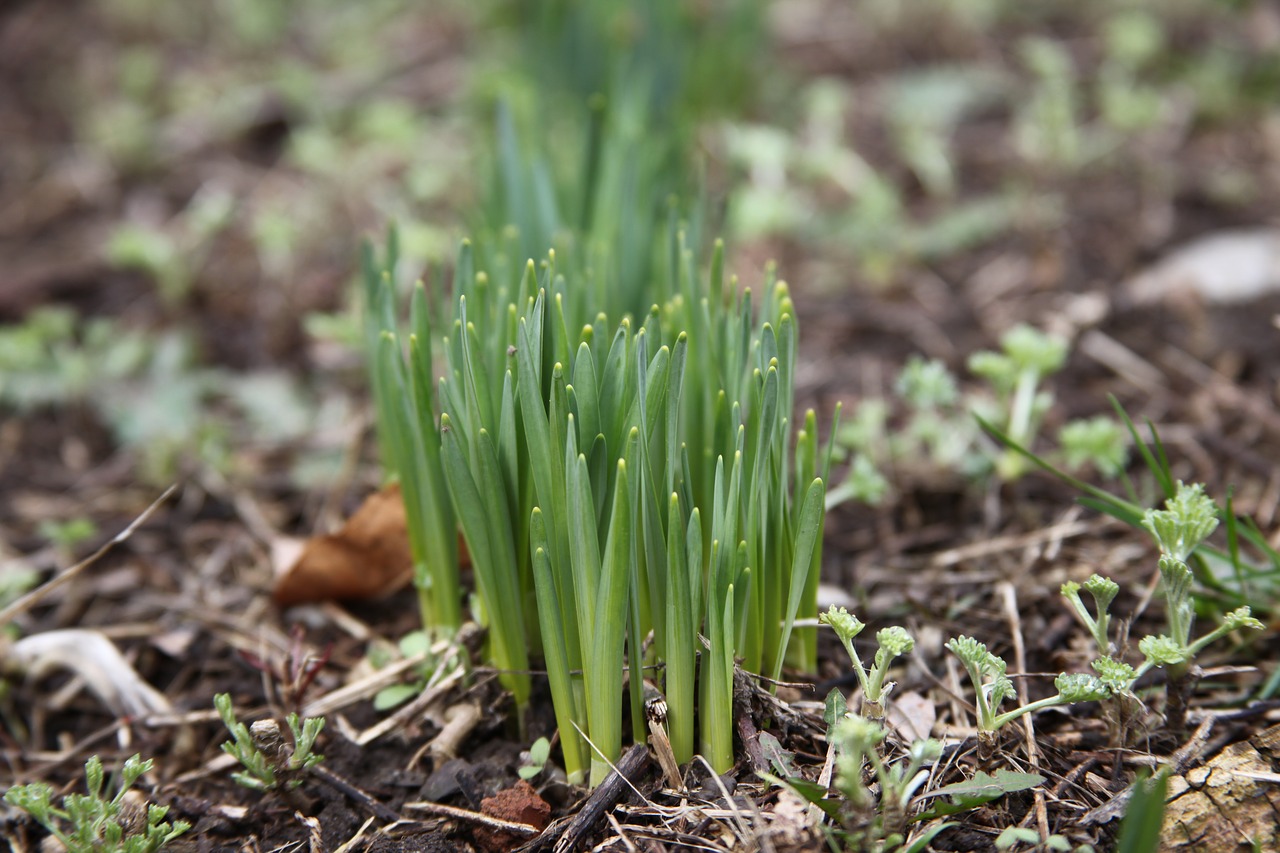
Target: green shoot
261,750
1027,356
891,643
1103,590
92,823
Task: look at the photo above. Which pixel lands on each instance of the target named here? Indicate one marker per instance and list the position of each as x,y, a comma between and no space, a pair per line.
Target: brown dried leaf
368,557
911,715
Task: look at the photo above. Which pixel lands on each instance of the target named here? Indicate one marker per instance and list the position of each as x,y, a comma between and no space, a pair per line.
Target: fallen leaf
911,715
368,557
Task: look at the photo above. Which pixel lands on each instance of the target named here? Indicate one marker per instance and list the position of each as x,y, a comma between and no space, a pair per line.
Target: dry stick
1016,542
1177,764
494,823
1009,597
333,780
315,836
350,843
34,597
403,715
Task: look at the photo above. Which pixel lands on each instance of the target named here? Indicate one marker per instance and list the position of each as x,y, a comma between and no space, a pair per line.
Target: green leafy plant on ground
269,761
92,823
939,426
1244,573
609,484
1189,517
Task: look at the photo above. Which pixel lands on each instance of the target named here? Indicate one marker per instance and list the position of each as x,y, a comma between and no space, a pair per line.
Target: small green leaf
395,695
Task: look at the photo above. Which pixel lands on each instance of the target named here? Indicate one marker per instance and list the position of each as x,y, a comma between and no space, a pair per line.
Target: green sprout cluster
92,823
610,481
992,686
268,762
857,742
940,426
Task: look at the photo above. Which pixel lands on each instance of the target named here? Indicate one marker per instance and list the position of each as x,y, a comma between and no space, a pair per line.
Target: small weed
269,762
92,823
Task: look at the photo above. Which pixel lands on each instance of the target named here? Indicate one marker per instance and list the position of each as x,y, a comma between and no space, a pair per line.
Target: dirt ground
186,596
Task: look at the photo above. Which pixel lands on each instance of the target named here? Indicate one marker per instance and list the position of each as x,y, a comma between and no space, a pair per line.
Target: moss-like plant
95,823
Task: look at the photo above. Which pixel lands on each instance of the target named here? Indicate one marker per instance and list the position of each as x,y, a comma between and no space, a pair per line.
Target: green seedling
1026,357
992,686
858,744
1103,590
1017,837
940,429
536,759
1098,441
1245,572
92,823
863,483
269,762
891,643
1189,517
429,672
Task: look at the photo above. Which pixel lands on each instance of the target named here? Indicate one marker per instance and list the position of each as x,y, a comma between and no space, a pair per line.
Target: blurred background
184,190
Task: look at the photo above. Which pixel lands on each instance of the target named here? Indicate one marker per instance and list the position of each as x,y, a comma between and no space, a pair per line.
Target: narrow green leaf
807,530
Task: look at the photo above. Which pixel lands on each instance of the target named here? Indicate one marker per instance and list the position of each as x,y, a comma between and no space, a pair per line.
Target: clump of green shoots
92,823
612,480
892,642
269,762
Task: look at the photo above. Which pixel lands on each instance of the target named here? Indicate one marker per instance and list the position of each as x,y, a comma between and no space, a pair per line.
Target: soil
186,596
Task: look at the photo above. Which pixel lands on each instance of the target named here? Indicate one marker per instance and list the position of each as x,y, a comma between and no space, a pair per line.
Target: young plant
1027,356
1012,837
992,686
91,823
1103,591
268,761
1187,520
613,482
536,759
1245,572
858,744
891,643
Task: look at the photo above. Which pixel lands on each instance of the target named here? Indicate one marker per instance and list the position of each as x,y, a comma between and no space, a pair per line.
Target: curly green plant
1189,517
1103,591
891,643
269,762
92,823
991,684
